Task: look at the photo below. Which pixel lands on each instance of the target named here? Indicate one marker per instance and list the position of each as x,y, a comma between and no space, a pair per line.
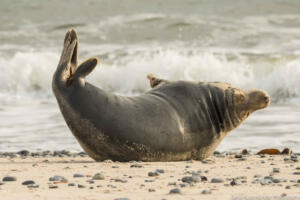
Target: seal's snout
267,99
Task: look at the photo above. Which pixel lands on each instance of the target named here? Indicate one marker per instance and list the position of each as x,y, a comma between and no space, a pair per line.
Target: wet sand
222,176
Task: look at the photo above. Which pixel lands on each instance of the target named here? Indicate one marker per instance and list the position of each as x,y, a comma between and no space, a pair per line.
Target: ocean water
251,44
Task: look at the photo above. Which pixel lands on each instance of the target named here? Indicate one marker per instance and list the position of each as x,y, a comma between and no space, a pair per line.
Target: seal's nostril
267,99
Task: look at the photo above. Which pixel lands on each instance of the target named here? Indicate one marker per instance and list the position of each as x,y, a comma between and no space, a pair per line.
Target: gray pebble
9,178
203,178
29,182
161,171
287,187
191,179
276,170
206,192
298,181
121,199
136,166
151,190
53,186
90,181
80,186
276,180
153,174
175,191
98,176
296,173
33,186
217,180
172,183
235,182
78,175
71,184
265,181
257,176
57,178
1,183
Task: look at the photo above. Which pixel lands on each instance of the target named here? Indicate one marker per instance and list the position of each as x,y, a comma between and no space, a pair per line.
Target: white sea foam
30,73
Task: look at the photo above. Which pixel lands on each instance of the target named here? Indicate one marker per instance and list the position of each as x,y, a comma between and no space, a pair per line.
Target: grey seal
175,120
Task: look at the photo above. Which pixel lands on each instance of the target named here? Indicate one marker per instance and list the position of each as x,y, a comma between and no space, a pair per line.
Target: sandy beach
222,176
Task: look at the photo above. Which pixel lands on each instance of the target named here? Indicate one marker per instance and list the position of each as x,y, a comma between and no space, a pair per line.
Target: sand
131,180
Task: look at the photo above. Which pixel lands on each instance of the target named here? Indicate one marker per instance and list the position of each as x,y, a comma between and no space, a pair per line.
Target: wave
29,73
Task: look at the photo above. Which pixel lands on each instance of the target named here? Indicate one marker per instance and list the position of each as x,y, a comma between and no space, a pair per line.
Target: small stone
58,178
276,170
90,181
286,151
121,199
217,180
203,178
276,180
9,178
238,156
136,166
80,186
1,183
191,179
245,152
151,190
175,191
257,176
91,188
172,183
265,181
98,176
153,174
287,187
33,186
78,175
296,173
24,153
71,184
29,182
206,192
161,171
235,182
53,186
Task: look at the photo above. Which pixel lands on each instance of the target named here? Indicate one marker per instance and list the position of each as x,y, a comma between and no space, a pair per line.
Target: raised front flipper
155,81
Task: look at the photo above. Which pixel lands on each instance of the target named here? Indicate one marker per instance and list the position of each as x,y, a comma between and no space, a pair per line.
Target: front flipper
155,81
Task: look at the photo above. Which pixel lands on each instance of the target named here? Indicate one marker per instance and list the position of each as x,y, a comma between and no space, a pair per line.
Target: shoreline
221,176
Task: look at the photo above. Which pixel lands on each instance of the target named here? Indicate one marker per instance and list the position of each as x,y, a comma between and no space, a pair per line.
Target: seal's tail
67,71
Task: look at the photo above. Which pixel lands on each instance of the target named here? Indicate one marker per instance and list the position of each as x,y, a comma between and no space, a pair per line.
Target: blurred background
251,44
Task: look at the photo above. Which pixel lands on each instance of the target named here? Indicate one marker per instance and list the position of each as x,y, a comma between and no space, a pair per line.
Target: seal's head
247,102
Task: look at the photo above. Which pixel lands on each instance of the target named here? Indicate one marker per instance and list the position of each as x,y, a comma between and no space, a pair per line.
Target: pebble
136,166
90,181
29,182
175,191
172,183
121,199
217,180
206,192
265,181
23,153
191,179
33,186
151,190
204,178
98,176
153,174
53,186
120,180
276,180
78,175
161,171
287,187
276,170
235,182
58,178
80,186
296,173
71,184
1,183
298,181
9,178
